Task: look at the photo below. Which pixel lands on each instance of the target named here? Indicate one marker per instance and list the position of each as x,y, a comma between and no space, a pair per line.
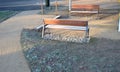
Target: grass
6,14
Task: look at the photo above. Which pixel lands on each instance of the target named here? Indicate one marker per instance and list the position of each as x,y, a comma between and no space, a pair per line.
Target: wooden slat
89,7
65,22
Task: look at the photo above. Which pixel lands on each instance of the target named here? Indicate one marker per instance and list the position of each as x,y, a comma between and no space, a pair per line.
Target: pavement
11,56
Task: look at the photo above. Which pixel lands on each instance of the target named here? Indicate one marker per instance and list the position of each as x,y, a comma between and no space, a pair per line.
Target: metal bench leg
87,33
98,16
43,31
69,14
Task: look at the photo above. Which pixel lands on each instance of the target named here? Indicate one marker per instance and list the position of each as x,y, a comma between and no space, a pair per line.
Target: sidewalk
11,56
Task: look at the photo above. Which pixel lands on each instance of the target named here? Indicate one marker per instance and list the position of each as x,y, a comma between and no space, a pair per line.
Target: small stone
49,68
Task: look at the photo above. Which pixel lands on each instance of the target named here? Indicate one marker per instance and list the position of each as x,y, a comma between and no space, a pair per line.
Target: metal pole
42,7
119,20
70,3
56,7
43,28
119,24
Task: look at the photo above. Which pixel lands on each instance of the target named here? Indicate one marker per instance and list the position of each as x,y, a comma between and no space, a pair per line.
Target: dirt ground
104,27
100,55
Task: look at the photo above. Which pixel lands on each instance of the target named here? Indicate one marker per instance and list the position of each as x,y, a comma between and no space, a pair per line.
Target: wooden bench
66,24
85,8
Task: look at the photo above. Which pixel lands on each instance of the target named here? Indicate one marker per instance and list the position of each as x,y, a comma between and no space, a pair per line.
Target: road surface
20,4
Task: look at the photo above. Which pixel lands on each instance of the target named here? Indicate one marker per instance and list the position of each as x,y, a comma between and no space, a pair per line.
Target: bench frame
66,24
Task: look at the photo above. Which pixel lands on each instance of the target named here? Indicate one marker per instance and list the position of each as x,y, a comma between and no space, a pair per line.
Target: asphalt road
21,4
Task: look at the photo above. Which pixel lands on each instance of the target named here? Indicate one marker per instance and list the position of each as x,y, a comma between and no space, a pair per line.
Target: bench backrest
86,7
65,22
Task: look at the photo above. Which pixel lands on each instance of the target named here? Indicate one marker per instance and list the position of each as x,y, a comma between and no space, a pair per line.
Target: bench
85,9
66,24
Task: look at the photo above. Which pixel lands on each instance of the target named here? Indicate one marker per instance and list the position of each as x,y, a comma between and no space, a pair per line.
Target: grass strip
6,14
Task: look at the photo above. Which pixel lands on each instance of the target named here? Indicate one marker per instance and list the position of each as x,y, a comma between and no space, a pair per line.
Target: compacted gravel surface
99,55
